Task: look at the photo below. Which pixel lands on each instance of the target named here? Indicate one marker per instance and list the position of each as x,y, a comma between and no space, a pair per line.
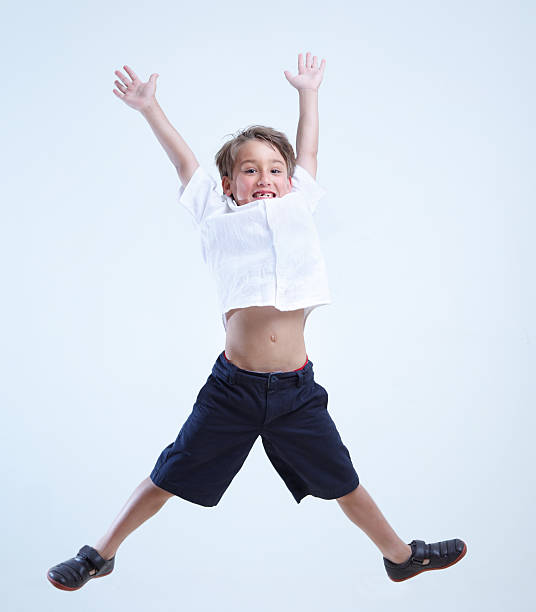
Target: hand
309,75
135,93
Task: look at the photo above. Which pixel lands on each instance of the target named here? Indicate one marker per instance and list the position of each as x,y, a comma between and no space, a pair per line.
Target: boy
260,242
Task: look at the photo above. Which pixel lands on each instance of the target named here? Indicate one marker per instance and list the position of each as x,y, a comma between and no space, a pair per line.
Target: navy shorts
287,409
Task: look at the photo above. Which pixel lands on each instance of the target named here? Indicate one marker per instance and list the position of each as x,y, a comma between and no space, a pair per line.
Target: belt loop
228,368
230,372
299,382
231,368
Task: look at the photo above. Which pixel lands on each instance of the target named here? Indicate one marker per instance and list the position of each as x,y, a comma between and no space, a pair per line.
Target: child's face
258,168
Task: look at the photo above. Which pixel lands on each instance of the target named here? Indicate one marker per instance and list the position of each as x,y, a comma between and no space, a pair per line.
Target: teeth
263,195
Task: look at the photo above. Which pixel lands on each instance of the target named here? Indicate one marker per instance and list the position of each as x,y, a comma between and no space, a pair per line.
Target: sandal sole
62,587
429,569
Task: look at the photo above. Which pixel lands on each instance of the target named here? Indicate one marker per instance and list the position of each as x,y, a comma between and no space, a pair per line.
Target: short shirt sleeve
303,182
201,195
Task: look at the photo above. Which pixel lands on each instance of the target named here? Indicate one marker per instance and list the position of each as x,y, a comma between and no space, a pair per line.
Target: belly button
272,338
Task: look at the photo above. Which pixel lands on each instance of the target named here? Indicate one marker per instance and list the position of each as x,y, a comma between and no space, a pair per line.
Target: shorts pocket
321,394
321,389
206,392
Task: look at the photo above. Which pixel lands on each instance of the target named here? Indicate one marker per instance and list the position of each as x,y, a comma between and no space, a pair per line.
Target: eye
249,170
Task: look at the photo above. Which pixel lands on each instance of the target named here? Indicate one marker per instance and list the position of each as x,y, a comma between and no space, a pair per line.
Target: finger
323,65
315,62
121,87
122,77
300,63
130,72
308,59
118,94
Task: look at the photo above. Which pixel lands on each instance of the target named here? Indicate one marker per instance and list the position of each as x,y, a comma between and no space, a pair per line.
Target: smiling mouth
258,195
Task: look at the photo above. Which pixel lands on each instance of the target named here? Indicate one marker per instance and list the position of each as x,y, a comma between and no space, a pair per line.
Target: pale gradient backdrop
110,322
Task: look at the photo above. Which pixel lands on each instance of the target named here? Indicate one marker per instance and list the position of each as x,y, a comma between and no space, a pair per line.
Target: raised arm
141,97
307,82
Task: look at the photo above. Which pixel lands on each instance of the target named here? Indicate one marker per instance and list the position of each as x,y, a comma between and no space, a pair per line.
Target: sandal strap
72,570
90,554
433,551
421,551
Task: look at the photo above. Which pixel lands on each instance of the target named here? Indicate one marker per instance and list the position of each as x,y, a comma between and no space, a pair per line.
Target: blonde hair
225,158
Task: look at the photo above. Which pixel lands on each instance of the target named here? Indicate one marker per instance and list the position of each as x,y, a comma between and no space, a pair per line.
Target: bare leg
360,508
145,501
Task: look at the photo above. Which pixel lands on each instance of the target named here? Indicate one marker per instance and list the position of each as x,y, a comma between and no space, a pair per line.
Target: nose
264,177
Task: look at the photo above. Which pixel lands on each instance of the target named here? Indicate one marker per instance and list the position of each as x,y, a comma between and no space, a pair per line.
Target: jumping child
270,274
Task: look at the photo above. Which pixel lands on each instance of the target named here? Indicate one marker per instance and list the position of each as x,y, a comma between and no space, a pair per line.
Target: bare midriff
265,339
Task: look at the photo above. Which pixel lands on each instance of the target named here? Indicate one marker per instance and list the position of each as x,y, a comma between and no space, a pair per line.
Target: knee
156,491
349,496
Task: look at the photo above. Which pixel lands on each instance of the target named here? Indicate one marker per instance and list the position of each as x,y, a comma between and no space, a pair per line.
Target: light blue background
110,318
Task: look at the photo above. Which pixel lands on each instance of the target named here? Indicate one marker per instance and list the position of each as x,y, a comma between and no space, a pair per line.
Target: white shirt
263,253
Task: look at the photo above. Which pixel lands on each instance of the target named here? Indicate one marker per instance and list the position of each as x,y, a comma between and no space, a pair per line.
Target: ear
226,185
